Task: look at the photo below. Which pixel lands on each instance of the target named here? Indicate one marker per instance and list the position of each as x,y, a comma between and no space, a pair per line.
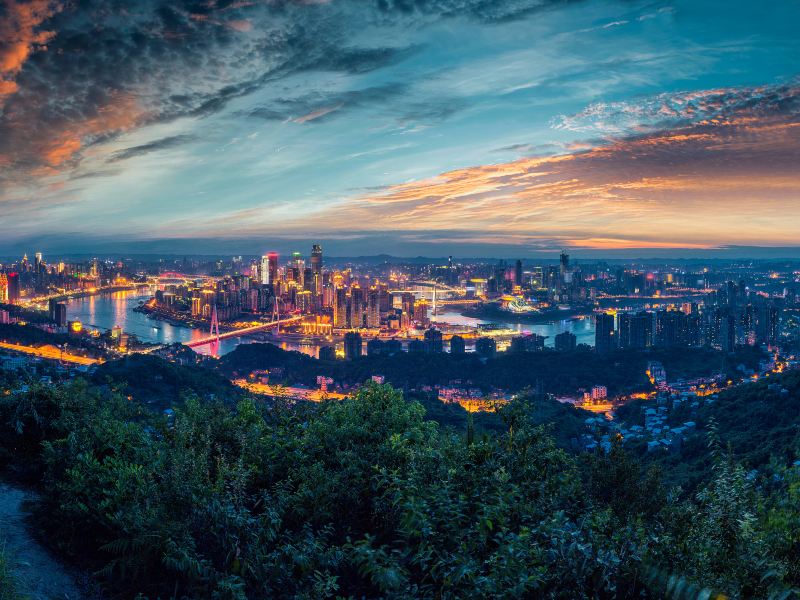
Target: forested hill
554,372
759,422
366,498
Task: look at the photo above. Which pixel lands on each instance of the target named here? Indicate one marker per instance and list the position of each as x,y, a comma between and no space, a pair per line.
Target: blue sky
402,125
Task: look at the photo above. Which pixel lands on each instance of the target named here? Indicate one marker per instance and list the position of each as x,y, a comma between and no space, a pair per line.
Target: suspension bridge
215,336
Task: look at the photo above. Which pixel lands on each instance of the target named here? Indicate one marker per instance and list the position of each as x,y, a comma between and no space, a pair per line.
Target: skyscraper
518,273
566,341
340,307
263,271
433,341
635,330
352,345
563,265
604,340
273,266
13,288
316,269
298,266
457,345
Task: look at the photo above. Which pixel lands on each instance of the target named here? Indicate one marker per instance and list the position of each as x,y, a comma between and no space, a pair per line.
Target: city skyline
473,128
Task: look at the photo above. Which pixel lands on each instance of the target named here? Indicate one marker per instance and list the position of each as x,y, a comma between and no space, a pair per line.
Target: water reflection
104,311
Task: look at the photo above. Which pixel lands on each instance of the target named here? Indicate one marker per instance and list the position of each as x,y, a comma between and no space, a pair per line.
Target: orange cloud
704,185
119,115
19,37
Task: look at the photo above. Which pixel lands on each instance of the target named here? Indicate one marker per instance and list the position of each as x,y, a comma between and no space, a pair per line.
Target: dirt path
41,576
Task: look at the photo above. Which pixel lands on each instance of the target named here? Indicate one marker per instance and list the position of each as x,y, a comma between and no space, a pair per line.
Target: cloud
20,35
63,63
730,177
64,66
154,146
317,105
680,108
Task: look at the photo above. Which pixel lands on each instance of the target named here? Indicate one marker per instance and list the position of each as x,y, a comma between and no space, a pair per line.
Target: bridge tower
214,332
276,313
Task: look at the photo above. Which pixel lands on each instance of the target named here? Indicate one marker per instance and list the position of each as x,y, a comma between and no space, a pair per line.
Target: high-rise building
37,262
527,343
340,307
563,265
604,339
457,345
327,353
316,269
671,328
373,309
635,330
566,341
518,273
433,341
3,287
767,323
352,345
272,259
356,313
13,288
298,268
263,270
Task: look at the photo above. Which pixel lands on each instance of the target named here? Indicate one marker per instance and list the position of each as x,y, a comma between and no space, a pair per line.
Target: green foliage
8,581
161,384
367,498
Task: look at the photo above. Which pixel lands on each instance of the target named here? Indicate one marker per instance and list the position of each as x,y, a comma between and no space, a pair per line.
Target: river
104,311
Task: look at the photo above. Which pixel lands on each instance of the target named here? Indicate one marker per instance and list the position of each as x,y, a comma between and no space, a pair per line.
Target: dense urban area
562,424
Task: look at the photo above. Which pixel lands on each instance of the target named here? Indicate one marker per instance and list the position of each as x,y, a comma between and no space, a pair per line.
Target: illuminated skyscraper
298,267
340,307
316,269
273,267
37,262
263,271
3,288
13,288
373,309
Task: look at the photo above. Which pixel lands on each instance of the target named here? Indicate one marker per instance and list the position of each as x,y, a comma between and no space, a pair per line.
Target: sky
467,127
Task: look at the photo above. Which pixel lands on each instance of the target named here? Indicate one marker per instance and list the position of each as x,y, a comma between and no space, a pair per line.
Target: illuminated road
51,353
296,393
240,332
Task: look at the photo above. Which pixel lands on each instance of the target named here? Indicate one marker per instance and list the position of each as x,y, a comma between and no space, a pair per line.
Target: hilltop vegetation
553,372
760,422
366,498
162,384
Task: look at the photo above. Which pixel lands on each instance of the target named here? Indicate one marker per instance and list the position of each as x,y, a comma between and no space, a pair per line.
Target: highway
50,353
